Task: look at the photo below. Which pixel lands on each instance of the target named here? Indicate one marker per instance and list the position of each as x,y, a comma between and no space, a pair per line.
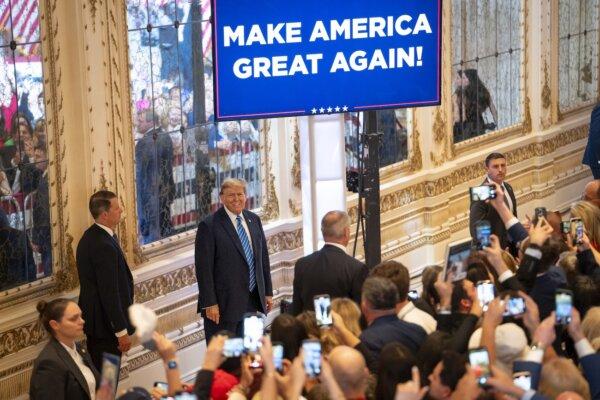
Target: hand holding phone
110,372
483,230
253,331
515,306
233,347
322,303
482,193
564,305
312,357
486,293
480,363
539,213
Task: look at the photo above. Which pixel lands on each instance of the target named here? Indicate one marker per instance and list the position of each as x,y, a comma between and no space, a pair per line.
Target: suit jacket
106,284
389,329
327,271
40,234
480,211
222,271
55,375
16,258
591,371
591,156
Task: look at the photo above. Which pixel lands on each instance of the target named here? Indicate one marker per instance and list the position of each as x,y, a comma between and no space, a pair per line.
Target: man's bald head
569,396
350,371
592,190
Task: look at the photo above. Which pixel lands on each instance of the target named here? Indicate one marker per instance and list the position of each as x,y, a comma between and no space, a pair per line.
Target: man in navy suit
106,283
232,263
591,156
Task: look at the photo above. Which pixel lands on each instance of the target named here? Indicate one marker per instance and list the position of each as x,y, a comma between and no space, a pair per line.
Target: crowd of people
25,247
525,341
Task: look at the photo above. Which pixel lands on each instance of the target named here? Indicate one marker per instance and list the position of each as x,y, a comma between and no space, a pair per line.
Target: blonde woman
590,215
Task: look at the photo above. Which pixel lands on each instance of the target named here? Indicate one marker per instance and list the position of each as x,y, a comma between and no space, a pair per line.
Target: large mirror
25,239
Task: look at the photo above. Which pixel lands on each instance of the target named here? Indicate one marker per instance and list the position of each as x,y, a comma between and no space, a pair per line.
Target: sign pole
372,141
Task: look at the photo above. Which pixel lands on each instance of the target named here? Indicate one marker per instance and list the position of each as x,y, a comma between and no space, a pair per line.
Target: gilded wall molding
164,284
283,241
415,162
16,339
546,91
296,172
270,206
444,184
441,139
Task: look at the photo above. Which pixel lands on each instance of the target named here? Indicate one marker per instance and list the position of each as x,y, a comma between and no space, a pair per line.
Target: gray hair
381,293
334,223
232,183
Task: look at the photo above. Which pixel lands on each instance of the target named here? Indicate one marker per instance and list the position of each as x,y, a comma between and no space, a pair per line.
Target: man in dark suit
154,178
591,156
232,263
16,258
495,166
329,270
40,233
105,280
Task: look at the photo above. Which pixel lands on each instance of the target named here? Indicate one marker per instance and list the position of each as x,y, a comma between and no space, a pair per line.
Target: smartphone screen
110,371
233,347
522,380
253,331
575,224
278,356
565,227
485,293
579,232
538,213
482,193
164,386
515,306
323,310
480,363
312,357
413,294
483,230
564,303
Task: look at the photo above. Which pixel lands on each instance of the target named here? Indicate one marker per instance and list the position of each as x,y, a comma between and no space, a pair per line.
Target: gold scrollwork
415,161
527,117
271,203
296,173
546,92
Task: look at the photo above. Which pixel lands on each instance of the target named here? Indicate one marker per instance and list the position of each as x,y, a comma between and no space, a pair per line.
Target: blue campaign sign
276,58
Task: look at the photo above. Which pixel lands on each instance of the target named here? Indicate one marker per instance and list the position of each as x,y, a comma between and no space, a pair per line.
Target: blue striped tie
248,252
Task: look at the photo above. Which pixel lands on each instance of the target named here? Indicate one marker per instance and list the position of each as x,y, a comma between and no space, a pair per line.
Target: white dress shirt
233,218
339,246
414,315
511,206
85,370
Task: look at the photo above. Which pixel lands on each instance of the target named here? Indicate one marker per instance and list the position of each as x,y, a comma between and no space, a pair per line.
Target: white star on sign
345,108
314,110
329,109
337,108
321,110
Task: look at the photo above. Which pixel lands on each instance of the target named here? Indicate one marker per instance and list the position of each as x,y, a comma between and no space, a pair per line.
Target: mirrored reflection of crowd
181,154
25,240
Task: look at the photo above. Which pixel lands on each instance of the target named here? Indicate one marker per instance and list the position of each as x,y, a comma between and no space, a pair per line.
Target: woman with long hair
471,99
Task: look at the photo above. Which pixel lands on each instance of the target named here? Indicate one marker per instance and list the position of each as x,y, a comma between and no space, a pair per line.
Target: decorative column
323,174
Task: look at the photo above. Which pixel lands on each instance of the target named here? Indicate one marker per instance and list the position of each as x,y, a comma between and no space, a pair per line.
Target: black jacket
106,284
327,271
482,211
55,375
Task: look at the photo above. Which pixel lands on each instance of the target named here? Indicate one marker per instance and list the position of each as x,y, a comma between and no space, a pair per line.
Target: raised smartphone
480,363
564,305
482,193
312,357
483,230
253,331
322,304
486,293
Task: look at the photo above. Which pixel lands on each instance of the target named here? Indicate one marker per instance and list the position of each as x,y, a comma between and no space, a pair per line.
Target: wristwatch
172,364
